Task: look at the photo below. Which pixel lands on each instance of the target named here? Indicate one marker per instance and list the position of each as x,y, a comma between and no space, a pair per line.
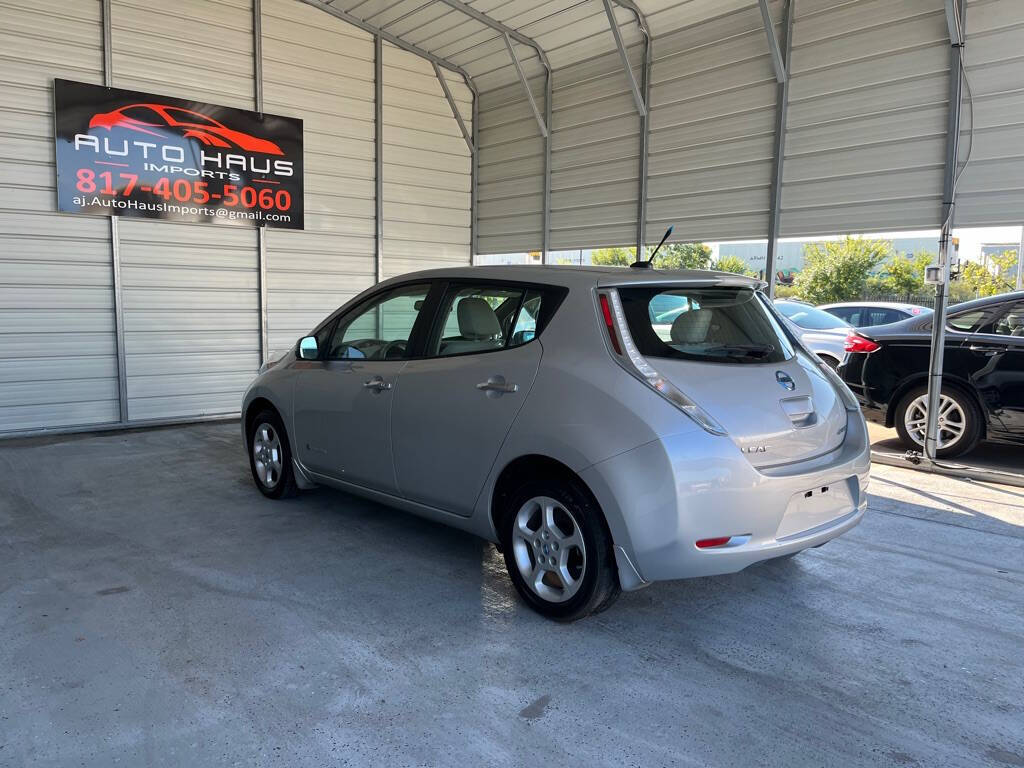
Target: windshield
810,318
722,325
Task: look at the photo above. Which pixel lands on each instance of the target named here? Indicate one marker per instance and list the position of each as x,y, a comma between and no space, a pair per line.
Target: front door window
380,330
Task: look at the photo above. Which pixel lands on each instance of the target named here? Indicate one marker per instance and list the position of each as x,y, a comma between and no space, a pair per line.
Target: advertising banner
124,153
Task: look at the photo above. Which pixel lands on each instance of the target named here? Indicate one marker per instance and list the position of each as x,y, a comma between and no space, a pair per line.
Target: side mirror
308,349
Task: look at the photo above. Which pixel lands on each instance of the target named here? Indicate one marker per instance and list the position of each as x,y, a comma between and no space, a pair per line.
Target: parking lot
156,609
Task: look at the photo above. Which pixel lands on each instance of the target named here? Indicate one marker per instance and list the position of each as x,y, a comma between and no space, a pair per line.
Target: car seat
479,328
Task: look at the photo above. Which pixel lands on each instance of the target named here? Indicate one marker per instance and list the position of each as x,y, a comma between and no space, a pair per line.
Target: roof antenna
641,264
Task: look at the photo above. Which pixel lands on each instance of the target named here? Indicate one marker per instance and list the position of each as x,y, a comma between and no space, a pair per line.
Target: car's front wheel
557,550
270,457
959,425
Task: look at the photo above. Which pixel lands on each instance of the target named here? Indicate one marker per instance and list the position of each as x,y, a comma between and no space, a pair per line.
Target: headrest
476,319
1015,319
691,327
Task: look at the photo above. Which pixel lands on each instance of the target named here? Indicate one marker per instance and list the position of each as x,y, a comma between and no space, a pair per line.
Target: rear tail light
857,343
609,324
637,365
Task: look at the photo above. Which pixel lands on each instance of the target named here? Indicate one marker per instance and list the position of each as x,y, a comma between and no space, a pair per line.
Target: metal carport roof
835,121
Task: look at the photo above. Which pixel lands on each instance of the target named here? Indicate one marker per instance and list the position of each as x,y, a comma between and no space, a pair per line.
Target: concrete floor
156,610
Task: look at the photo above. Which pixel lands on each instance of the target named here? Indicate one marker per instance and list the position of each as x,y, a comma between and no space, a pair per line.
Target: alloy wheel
548,547
267,456
952,420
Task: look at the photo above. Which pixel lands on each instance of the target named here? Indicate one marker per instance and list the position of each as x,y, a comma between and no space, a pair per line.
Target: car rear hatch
720,349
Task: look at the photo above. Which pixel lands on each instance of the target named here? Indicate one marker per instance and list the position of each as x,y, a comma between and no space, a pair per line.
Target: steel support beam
378,155
954,23
496,25
526,85
546,218
778,62
502,29
778,157
509,35
115,241
475,172
645,123
638,97
261,232
935,363
1020,262
454,107
386,36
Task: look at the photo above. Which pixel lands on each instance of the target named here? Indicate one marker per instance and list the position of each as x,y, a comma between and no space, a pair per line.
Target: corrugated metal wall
992,188
510,171
321,70
865,144
864,151
595,152
865,139
713,97
191,293
427,166
58,363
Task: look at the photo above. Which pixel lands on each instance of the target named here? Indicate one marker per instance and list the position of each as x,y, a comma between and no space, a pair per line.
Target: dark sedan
983,374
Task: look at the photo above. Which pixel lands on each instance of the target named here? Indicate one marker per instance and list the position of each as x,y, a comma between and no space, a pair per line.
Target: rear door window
1011,323
810,318
972,321
722,325
849,314
484,318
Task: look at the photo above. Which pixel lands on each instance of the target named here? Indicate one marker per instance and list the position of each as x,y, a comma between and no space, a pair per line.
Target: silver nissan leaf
604,427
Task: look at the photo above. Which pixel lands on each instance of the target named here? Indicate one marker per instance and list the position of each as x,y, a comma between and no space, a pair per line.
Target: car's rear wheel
270,456
959,421
557,549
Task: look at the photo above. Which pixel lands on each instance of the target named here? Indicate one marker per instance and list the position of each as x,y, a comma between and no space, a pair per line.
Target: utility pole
1020,262
956,18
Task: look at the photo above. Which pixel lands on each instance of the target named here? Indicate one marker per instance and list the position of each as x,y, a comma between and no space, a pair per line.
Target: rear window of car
810,318
722,325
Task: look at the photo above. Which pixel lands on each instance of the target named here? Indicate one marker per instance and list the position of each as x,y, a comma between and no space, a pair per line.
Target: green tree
838,270
613,257
675,256
733,264
683,256
982,280
904,275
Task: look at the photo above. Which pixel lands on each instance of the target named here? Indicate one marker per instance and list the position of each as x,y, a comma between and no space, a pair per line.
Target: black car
983,374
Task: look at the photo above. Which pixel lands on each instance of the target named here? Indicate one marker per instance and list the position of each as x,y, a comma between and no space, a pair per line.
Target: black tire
282,481
598,580
972,421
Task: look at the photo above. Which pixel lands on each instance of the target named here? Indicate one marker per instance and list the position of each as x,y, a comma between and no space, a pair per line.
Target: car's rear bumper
661,498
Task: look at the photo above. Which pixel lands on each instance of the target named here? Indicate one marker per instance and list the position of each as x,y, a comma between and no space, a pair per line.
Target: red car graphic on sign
191,125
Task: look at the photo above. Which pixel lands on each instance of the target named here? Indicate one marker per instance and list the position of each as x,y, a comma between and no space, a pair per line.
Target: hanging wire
970,138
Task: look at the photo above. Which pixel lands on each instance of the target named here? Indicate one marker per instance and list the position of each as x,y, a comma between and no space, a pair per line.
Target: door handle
497,384
377,383
987,351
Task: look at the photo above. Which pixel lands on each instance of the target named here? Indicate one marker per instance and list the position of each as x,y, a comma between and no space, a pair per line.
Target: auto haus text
170,159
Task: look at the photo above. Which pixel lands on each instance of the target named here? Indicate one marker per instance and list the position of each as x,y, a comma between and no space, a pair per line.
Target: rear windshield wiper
741,350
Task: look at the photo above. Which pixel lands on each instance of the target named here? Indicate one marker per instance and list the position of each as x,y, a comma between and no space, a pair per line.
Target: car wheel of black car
959,420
